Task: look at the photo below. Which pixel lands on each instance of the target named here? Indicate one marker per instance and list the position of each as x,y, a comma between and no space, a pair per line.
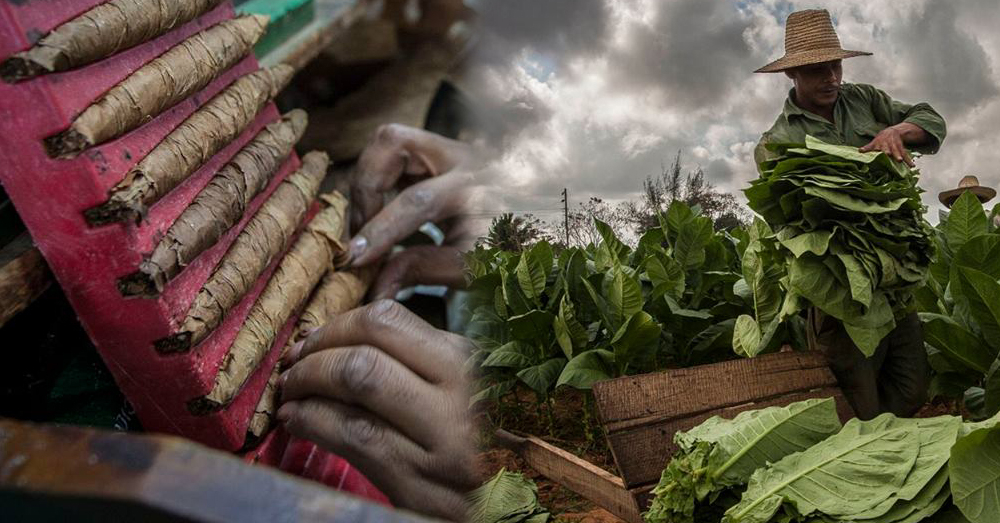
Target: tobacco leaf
220,205
265,236
157,86
196,140
286,292
101,32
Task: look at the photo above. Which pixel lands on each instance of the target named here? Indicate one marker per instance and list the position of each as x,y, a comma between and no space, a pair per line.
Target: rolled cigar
159,85
100,32
219,206
203,134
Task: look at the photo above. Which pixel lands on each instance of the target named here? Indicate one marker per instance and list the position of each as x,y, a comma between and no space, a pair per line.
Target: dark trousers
894,379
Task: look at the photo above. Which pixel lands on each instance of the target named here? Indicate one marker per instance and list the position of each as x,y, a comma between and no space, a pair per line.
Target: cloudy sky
600,93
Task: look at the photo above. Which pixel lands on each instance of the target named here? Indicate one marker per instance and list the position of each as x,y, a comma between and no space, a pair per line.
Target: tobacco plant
548,317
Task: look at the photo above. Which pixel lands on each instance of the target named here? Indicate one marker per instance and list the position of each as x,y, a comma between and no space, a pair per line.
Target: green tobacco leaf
758,437
956,343
624,295
715,337
666,275
693,237
991,403
587,368
937,435
850,472
640,332
516,354
534,326
542,378
533,271
966,220
722,453
762,279
600,304
517,303
503,495
974,471
746,336
615,248
842,151
499,305
816,242
981,291
981,253
570,333
493,392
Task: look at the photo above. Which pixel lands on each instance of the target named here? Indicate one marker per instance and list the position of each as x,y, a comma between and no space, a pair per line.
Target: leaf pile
852,228
506,498
719,456
886,470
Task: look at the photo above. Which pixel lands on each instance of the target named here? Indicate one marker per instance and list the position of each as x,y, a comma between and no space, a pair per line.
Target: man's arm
918,126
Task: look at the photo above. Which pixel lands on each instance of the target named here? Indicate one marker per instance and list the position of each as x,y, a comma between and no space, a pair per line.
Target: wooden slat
650,398
642,453
62,473
23,276
334,17
580,476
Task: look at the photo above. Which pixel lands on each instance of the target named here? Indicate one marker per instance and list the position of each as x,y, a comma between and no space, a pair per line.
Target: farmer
967,184
378,385
896,378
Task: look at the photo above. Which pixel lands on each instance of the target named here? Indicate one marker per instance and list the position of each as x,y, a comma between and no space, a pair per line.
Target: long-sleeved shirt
861,111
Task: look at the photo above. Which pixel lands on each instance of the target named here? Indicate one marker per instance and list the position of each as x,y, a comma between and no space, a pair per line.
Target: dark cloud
550,27
692,54
947,63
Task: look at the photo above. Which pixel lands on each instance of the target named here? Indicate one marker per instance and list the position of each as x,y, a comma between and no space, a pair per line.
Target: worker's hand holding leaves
890,141
385,390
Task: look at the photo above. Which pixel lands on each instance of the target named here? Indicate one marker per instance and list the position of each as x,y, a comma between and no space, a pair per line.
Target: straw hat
809,39
969,183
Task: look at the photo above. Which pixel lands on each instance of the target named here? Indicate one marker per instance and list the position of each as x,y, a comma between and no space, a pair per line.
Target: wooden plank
642,453
52,473
649,398
580,476
23,276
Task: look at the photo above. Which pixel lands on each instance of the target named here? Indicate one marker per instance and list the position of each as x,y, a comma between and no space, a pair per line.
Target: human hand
385,390
397,155
890,141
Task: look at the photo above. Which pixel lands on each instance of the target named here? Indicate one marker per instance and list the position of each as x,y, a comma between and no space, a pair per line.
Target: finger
420,265
366,376
868,147
429,200
908,159
384,456
431,353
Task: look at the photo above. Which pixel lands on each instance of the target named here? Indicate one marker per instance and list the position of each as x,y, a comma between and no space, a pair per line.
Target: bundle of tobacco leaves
717,458
852,228
507,497
886,470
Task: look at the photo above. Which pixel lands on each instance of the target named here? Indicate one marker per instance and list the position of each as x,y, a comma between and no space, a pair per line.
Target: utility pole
565,202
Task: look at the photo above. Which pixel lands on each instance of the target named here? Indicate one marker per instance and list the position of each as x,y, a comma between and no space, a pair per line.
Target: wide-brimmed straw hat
809,39
971,184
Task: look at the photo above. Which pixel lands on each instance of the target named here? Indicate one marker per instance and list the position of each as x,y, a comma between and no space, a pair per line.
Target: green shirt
861,111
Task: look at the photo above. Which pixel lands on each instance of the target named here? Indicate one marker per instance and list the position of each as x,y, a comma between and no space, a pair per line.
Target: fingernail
358,247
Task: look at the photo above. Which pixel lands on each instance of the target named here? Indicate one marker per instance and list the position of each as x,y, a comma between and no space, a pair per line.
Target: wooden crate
640,415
